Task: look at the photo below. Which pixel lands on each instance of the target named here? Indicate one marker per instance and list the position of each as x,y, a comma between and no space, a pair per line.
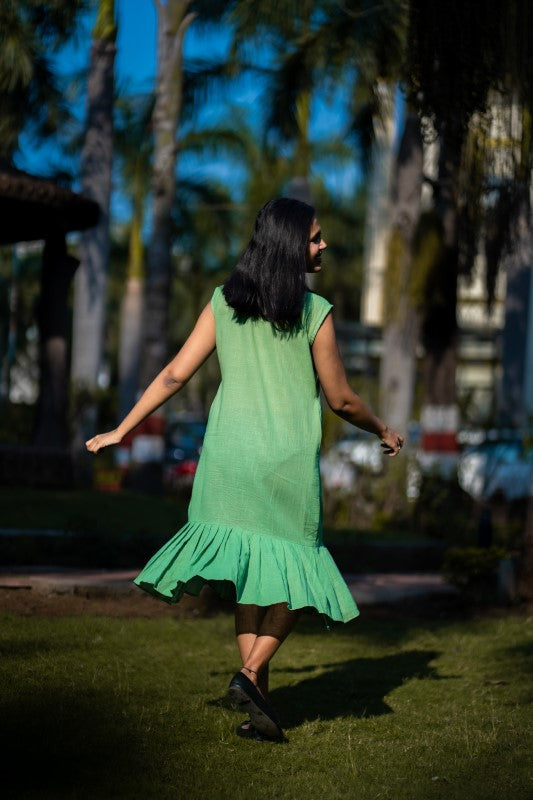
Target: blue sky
135,69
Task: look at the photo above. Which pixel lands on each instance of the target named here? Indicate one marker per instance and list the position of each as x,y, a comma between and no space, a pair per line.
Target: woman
255,517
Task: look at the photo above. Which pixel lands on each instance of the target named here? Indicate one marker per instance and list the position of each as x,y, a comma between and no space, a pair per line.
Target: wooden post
57,273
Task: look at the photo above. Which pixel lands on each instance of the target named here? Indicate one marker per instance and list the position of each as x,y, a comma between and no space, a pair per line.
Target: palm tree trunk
172,22
517,357
96,167
440,414
402,323
379,209
517,338
298,187
131,317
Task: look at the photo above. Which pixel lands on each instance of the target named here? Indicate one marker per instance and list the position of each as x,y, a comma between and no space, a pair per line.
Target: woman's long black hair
268,281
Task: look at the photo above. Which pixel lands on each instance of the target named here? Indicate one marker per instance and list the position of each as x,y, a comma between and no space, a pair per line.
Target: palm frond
361,129
214,141
293,78
332,152
203,78
273,22
31,97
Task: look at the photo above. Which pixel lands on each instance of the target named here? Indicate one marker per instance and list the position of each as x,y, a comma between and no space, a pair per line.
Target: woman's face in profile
315,247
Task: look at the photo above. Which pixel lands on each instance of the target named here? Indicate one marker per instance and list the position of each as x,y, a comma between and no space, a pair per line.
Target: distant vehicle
490,463
184,442
340,466
500,465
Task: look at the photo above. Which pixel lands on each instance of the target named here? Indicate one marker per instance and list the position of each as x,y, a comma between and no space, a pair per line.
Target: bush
16,423
376,502
445,511
474,570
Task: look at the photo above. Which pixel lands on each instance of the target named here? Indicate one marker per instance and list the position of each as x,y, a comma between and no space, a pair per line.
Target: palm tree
204,248
134,148
401,315
364,46
450,61
31,98
96,171
292,81
173,20
380,173
135,155
455,61
459,60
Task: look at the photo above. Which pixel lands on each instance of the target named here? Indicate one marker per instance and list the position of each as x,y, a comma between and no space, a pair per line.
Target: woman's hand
391,442
103,440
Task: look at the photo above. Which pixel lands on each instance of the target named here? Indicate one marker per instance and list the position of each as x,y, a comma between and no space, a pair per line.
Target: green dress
255,517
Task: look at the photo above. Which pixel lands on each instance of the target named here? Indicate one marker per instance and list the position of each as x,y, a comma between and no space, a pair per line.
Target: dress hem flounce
253,568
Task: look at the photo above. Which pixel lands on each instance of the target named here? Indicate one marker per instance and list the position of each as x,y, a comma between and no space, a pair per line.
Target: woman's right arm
196,350
340,396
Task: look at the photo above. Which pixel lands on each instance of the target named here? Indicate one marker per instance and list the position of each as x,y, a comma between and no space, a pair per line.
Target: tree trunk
401,328
517,339
378,218
57,272
96,168
440,414
131,318
298,187
172,22
525,569
517,357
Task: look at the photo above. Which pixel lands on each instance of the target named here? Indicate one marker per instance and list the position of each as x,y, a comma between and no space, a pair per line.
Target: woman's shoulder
315,303
316,310
313,299
217,298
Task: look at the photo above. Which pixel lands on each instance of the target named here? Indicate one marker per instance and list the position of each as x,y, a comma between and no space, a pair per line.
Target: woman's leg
248,619
260,631
277,622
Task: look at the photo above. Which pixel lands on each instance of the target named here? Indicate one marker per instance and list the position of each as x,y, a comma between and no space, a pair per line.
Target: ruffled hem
263,569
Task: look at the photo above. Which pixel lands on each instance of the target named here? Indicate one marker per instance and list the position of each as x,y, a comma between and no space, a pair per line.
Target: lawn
406,709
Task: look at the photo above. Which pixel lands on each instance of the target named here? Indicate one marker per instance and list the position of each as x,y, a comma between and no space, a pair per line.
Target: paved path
392,587
368,589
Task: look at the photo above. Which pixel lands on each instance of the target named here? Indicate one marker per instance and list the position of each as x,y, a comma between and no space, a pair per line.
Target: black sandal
250,732
244,694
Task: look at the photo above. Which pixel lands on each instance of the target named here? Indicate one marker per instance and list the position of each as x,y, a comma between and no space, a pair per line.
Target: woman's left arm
170,380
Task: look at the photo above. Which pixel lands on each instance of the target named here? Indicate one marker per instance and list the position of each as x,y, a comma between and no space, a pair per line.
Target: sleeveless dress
254,527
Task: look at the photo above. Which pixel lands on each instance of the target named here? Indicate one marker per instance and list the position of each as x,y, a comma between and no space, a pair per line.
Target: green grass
401,710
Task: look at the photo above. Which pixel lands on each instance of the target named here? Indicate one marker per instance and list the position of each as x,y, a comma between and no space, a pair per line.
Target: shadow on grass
30,648
354,688
385,624
57,743
521,657
523,652
391,624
